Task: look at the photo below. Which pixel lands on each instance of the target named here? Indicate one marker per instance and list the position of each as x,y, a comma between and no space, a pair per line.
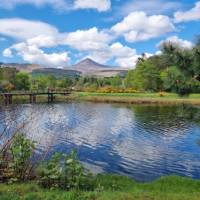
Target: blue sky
58,33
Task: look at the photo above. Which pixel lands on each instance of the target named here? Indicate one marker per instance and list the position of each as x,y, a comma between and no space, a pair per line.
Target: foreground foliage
63,177
109,188
60,171
64,171
15,163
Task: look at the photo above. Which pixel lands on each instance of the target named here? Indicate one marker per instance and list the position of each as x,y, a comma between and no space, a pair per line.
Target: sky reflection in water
141,141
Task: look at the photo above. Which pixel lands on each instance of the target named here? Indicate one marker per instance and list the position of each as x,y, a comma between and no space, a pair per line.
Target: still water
141,141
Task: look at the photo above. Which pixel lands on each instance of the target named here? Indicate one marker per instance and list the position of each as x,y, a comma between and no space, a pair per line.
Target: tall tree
22,81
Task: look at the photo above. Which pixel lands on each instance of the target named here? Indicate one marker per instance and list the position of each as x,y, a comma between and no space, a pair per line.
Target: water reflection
143,142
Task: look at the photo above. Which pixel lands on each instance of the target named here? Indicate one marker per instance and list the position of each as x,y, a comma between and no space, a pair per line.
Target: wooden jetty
8,97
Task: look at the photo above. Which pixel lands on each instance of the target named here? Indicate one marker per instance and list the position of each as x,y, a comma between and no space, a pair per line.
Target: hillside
21,67
92,68
56,72
86,67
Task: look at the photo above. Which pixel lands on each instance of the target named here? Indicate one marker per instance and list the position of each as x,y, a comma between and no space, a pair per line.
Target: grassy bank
133,98
139,98
110,188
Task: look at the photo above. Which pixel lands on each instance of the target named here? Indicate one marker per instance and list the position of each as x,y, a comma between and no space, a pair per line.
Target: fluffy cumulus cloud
32,54
33,39
25,29
101,45
124,56
96,44
45,40
91,42
138,26
190,15
149,7
100,5
57,4
60,5
178,41
7,53
85,40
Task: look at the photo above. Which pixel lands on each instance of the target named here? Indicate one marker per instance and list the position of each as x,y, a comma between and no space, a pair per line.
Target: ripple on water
143,142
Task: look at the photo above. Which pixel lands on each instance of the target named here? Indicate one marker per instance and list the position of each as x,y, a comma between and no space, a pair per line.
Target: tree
129,79
196,59
66,83
22,81
174,55
145,77
116,81
175,81
51,81
8,74
41,83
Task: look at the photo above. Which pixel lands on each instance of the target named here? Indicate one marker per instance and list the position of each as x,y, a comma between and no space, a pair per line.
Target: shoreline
142,98
126,98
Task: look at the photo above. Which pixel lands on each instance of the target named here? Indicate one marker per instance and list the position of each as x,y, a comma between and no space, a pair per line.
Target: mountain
37,70
86,67
21,67
56,72
91,68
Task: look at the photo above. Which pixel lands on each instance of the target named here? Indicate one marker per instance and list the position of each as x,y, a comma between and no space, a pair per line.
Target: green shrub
15,162
64,171
61,171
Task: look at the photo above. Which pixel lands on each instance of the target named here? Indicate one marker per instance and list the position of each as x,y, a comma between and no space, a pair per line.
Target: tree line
176,69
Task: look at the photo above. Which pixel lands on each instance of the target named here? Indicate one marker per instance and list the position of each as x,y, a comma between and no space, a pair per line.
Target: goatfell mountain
86,67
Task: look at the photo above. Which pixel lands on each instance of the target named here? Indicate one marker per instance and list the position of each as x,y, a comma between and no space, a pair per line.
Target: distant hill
56,72
91,68
86,67
21,67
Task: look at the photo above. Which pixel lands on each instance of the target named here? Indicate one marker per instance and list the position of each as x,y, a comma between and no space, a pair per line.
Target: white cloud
137,26
190,15
42,35
158,53
92,42
60,5
124,56
7,53
45,41
85,40
149,7
177,41
25,29
101,56
57,4
33,54
100,5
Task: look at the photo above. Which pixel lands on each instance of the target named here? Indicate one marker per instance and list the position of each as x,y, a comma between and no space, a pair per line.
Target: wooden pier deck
8,96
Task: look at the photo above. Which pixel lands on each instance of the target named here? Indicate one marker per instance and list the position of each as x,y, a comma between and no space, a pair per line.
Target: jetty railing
50,93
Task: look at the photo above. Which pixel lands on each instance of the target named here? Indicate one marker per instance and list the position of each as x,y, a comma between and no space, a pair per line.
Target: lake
143,142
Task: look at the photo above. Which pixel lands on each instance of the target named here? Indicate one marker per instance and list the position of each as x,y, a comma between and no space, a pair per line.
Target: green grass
168,98
147,95
110,188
